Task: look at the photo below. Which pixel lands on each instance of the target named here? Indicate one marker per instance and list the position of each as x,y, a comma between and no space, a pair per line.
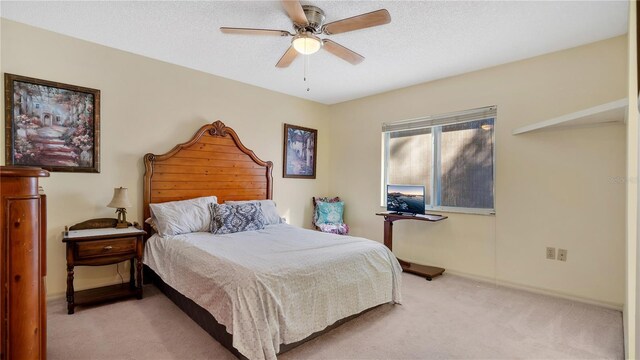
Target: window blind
442,119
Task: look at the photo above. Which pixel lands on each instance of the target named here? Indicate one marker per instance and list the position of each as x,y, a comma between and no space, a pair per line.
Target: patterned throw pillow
227,219
268,207
329,212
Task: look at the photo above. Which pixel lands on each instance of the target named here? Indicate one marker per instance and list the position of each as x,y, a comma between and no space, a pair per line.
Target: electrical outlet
551,253
562,254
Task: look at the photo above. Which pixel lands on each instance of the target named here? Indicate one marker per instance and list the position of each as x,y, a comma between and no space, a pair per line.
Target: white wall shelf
610,112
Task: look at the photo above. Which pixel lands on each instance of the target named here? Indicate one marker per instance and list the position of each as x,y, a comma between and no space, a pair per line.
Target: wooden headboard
213,162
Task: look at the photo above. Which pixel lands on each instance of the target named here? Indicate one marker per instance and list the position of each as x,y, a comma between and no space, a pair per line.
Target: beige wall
149,106
559,188
631,316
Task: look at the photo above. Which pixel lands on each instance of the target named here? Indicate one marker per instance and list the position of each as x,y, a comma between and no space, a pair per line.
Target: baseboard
536,290
53,297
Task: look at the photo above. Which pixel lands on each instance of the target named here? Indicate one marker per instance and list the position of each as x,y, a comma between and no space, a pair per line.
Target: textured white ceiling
426,40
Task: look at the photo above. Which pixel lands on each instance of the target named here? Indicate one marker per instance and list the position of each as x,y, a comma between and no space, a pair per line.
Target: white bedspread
277,285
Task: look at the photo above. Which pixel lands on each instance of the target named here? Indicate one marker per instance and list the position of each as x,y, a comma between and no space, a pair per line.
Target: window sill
484,212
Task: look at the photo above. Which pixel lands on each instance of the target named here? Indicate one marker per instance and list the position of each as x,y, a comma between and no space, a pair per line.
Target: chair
335,225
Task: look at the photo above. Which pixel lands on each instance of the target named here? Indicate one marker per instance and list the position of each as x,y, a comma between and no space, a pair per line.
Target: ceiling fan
308,22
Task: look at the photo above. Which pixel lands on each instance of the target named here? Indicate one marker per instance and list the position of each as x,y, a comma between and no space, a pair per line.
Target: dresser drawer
89,249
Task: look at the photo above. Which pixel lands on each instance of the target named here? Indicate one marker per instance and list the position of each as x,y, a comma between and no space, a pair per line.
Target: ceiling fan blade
287,58
250,31
342,52
363,21
295,12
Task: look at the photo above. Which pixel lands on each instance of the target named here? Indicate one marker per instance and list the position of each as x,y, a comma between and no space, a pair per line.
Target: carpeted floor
448,318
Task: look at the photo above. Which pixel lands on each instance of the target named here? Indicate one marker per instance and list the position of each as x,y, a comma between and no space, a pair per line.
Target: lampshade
120,199
306,44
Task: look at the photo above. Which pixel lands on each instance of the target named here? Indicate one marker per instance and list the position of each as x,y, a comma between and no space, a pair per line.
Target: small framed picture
300,149
51,125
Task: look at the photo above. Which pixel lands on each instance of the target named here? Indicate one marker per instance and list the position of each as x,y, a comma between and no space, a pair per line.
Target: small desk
429,272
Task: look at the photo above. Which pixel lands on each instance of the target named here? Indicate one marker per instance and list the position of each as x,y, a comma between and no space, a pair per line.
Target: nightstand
103,246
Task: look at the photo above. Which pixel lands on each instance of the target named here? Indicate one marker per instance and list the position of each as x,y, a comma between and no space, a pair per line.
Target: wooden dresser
23,267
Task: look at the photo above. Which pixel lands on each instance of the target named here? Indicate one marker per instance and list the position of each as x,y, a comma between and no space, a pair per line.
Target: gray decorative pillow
268,210
227,219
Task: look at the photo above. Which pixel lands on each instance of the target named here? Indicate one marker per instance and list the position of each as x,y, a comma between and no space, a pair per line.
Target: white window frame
435,122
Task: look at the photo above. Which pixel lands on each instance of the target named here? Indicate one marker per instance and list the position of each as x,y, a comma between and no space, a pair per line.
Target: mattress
277,285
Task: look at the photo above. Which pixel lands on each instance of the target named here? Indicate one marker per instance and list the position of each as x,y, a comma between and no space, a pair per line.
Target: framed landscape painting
51,125
299,152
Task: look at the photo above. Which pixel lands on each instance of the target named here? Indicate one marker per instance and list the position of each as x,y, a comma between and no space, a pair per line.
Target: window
452,155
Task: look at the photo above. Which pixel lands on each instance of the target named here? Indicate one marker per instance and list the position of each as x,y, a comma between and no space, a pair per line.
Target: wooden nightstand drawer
88,249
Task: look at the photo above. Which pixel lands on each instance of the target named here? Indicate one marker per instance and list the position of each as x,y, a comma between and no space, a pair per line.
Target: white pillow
182,217
268,210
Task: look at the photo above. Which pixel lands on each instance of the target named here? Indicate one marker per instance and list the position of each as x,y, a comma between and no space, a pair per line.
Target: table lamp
120,201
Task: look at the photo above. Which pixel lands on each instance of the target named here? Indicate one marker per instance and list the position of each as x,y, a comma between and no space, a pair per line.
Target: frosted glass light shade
306,44
120,199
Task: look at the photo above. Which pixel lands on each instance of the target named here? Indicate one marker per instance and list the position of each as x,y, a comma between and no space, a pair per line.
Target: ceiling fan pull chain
306,69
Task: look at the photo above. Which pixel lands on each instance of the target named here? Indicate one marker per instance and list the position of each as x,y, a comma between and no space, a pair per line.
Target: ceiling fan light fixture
306,44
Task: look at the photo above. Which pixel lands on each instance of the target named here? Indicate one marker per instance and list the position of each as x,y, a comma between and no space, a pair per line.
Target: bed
263,292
